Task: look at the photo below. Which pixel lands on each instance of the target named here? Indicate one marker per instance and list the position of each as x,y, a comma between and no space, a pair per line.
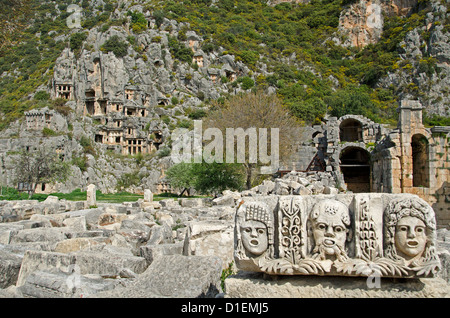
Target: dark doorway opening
419,145
350,130
355,166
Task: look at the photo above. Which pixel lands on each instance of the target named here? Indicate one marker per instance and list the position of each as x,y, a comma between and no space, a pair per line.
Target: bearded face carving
329,226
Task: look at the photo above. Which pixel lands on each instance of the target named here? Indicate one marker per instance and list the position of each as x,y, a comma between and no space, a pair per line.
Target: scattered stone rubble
168,248
298,183
59,248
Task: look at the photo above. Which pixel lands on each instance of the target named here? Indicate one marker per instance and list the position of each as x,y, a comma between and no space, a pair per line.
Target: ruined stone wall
368,157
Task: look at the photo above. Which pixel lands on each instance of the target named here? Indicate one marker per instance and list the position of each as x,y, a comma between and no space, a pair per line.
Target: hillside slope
117,77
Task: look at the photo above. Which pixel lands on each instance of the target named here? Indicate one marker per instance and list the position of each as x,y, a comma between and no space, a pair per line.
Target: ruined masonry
364,156
383,235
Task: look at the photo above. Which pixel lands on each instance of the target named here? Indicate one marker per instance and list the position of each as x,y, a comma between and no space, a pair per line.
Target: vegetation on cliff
298,44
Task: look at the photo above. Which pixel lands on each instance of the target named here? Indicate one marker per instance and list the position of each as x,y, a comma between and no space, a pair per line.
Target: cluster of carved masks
352,235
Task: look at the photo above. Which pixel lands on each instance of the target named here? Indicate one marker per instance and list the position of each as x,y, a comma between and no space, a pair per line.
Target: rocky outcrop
362,21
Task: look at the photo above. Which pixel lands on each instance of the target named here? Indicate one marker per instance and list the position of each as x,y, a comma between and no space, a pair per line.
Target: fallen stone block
224,200
41,260
151,252
210,238
174,276
76,223
41,284
108,264
50,235
160,234
169,203
77,244
249,285
10,262
191,203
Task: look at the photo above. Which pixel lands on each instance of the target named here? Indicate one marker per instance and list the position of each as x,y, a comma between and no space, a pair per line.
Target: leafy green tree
138,21
206,178
214,178
115,45
352,99
76,40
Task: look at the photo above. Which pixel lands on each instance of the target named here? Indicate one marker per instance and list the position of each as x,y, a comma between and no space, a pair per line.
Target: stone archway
350,130
355,166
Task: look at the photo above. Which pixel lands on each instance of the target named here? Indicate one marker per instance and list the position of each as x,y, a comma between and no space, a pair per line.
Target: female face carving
254,236
410,237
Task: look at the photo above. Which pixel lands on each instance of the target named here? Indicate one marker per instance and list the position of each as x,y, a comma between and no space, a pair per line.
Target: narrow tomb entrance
355,166
419,145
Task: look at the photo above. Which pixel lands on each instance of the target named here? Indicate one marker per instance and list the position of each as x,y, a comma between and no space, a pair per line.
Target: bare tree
40,166
256,110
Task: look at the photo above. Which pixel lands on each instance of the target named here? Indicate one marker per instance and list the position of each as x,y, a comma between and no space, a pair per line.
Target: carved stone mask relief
410,237
254,237
255,229
329,226
389,235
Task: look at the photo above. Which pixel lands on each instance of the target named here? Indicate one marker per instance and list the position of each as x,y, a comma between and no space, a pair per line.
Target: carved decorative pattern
290,233
312,236
367,235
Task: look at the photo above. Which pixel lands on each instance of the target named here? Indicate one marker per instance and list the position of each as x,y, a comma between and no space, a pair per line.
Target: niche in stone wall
355,166
350,130
419,146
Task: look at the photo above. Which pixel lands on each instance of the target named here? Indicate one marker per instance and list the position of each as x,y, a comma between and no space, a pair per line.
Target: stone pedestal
148,195
91,195
259,285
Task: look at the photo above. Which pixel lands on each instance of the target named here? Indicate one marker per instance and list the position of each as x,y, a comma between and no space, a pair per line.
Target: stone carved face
329,227
410,227
254,237
410,237
254,229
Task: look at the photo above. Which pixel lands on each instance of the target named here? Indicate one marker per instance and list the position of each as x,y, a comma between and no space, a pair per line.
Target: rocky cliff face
423,71
125,106
130,104
362,21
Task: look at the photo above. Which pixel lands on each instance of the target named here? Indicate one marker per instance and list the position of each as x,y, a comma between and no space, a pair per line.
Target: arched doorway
350,130
419,146
355,166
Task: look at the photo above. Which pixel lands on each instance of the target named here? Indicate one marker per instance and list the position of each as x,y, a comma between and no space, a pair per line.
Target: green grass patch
78,195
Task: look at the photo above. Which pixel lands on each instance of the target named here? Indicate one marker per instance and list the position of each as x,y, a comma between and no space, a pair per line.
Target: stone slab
174,276
258,285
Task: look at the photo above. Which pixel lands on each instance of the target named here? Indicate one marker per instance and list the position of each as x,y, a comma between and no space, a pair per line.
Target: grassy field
78,195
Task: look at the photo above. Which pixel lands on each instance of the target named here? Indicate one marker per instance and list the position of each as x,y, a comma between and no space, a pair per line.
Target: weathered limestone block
9,266
58,284
91,195
174,276
49,235
76,223
160,234
42,260
79,243
108,264
148,195
151,252
191,203
366,234
210,238
7,230
169,203
253,285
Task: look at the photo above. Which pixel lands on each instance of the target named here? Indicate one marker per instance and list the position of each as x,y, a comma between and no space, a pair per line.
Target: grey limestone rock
174,276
